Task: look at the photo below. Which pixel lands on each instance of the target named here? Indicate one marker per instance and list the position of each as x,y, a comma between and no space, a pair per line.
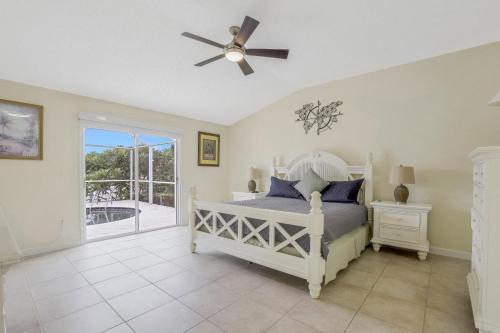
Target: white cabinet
239,196
401,225
484,279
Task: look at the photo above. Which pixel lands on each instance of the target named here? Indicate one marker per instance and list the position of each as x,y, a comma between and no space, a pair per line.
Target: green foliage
114,164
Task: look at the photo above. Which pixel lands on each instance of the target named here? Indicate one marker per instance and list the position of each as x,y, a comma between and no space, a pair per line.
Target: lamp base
252,186
401,194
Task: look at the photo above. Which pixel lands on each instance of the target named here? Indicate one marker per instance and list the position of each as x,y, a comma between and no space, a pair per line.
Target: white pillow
309,183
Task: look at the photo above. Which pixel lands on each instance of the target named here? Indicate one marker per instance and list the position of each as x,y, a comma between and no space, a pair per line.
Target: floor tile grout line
107,279
213,314
110,305
425,305
28,290
28,286
116,312
104,299
211,282
73,312
427,296
61,294
152,309
211,322
124,323
201,322
89,285
366,297
287,312
197,288
35,309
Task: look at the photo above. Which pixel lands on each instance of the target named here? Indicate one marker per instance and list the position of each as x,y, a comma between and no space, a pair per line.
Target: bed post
316,263
192,218
369,185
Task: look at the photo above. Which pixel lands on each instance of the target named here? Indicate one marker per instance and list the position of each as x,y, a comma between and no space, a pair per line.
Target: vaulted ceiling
132,52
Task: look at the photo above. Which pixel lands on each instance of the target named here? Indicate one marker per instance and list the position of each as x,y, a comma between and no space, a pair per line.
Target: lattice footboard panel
272,234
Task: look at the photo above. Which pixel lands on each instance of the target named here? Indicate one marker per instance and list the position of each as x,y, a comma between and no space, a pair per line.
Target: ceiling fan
235,51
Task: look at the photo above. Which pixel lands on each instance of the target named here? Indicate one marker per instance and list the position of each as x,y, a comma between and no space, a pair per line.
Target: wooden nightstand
239,196
401,225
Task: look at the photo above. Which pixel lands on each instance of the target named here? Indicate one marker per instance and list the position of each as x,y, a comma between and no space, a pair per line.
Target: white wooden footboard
221,226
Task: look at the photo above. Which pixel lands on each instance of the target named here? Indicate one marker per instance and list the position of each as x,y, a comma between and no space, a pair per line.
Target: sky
114,138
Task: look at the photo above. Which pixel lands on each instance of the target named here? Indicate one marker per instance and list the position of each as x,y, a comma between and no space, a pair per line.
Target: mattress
340,218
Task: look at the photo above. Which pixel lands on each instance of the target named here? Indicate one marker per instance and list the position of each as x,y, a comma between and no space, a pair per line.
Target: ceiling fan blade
270,53
204,62
202,39
246,30
245,67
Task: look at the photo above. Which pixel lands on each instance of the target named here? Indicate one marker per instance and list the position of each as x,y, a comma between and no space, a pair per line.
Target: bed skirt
346,248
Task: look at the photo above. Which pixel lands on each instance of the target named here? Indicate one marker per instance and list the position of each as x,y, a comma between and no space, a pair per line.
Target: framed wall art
21,130
208,149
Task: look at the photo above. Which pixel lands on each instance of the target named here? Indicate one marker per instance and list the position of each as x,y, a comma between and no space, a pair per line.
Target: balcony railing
164,197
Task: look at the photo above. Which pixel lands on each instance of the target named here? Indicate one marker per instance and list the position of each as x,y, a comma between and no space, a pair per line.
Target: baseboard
9,260
33,252
450,253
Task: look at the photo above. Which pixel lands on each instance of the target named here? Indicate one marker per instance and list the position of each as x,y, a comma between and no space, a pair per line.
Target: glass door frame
135,129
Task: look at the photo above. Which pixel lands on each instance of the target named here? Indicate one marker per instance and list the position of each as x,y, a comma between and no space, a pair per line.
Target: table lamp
401,175
254,174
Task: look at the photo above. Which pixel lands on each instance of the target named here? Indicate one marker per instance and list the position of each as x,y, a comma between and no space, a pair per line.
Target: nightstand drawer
392,232
238,197
400,219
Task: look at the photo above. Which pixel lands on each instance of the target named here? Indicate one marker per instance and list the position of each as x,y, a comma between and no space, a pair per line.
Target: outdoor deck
152,216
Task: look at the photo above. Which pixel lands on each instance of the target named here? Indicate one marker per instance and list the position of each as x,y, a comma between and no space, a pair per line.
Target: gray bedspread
340,218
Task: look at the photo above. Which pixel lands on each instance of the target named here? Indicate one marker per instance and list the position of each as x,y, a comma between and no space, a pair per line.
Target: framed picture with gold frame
208,149
21,131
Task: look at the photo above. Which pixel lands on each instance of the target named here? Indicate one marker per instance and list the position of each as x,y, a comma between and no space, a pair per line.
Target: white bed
210,225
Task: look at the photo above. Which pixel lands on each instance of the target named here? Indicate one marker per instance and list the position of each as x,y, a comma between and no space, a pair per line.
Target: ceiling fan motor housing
234,30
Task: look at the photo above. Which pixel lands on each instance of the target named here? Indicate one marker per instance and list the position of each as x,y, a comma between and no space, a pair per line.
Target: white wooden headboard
329,167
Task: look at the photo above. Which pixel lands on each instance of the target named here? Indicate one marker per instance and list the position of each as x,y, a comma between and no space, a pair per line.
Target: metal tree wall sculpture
321,116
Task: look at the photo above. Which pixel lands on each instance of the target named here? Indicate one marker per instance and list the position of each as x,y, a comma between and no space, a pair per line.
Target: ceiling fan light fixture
234,54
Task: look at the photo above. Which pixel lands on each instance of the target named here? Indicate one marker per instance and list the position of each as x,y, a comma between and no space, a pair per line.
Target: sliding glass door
130,182
156,177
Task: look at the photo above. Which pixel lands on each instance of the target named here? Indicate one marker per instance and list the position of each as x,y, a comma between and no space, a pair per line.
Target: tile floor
151,283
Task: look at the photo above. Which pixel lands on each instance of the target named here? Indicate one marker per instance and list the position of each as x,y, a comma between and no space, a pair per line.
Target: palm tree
4,122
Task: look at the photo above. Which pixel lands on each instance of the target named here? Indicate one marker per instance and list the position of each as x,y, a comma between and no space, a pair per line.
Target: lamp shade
254,173
496,100
402,175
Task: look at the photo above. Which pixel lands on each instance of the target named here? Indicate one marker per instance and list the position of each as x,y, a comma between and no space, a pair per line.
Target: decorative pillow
283,188
310,183
342,191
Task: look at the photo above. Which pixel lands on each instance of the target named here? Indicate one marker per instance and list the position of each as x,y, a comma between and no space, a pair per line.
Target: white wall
37,196
428,114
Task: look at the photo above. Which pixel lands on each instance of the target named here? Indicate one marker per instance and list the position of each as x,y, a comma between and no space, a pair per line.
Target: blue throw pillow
342,191
283,188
